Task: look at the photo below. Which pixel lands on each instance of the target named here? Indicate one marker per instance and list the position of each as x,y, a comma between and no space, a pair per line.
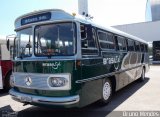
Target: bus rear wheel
142,78
106,92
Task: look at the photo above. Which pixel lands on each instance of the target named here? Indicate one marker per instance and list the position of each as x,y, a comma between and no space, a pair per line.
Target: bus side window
146,48
107,40
89,45
122,45
142,47
137,46
111,41
130,45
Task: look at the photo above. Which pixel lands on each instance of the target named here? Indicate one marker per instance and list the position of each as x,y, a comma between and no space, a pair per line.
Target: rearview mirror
8,43
8,39
83,32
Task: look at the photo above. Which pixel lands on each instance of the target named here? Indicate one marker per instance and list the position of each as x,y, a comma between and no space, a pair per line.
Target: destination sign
36,18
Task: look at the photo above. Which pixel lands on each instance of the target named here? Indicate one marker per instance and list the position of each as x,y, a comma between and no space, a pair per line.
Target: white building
150,30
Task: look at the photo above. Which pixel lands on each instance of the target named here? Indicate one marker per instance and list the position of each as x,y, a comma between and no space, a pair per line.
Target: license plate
26,99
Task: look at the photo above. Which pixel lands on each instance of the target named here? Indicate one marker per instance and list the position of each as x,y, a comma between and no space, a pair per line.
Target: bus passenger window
111,41
130,45
106,40
89,45
146,48
122,43
137,46
142,47
102,39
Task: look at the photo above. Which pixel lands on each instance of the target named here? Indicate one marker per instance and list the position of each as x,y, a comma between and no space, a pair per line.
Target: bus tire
7,84
106,92
142,78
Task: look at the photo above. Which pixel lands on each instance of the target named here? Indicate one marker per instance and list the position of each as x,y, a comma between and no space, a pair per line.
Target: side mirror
8,37
8,43
83,32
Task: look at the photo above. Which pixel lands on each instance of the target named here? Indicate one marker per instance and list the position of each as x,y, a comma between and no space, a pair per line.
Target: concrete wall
149,31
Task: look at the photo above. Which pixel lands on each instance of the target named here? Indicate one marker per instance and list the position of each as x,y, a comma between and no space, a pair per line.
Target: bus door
89,53
90,62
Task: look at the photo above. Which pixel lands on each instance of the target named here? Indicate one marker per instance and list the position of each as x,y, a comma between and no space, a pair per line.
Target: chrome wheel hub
106,91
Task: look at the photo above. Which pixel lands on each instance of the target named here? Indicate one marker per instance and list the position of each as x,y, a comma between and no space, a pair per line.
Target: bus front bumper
27,98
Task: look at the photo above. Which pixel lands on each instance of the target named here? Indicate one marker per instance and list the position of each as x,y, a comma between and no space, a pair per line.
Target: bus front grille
31,80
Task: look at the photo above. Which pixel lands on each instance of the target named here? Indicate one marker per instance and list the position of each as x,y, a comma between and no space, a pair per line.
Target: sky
105,12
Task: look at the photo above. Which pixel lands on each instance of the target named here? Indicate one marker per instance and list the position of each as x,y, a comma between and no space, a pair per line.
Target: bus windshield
25,39
55,39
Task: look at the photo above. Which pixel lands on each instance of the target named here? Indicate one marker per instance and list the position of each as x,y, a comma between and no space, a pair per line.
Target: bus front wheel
106,92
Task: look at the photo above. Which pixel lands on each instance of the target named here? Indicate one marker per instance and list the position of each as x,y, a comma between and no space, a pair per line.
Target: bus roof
57,14
111,29
42,15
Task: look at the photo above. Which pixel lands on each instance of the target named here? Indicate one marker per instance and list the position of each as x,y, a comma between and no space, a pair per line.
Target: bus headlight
59,82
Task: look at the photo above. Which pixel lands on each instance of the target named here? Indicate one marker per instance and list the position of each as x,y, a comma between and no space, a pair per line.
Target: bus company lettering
111,60
35,19
54,65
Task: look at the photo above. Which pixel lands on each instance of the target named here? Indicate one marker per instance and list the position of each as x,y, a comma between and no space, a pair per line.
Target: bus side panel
91,89
123,77
92,68
139,69
127,73
1,82
94,71
6,67
91,92
132,66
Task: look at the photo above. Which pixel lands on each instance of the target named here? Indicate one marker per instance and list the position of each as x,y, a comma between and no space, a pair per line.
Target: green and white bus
62,60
